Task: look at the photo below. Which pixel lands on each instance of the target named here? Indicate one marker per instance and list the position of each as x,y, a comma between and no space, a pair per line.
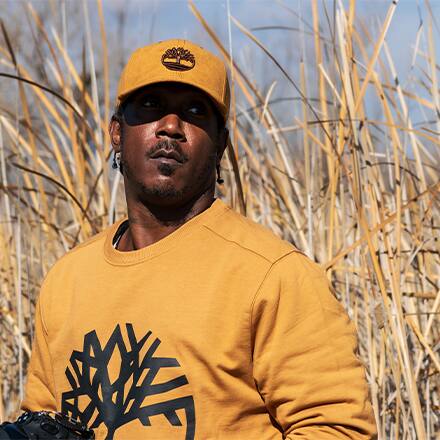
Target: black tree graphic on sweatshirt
109,403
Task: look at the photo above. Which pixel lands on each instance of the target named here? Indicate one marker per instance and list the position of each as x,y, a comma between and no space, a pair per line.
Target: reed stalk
347,171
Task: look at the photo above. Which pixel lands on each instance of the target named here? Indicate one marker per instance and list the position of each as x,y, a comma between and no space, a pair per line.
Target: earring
219,178
116,161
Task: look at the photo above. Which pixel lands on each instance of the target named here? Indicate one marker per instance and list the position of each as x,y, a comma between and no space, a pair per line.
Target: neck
149,223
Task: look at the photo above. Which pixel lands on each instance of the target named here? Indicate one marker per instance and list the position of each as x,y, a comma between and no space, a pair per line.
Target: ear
115,130
222,144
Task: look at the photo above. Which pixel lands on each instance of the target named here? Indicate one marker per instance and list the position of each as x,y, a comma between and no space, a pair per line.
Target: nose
170,126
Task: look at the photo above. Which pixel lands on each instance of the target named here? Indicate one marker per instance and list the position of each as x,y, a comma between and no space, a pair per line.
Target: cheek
202,146
135,140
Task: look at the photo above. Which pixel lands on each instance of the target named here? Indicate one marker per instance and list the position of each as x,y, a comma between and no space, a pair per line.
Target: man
188,321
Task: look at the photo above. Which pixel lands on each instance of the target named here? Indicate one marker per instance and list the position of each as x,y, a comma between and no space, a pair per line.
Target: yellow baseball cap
177,61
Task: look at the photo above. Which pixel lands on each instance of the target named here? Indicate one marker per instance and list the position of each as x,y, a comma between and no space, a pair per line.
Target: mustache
169,145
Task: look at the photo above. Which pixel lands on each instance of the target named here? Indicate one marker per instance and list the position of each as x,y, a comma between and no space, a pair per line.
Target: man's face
170,143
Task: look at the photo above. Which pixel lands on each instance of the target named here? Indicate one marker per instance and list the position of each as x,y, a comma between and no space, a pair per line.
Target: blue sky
155,20
152,20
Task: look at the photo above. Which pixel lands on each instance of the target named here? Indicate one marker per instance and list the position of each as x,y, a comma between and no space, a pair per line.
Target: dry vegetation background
347,169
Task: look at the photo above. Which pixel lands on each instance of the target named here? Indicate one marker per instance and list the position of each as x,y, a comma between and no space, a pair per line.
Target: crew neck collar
116,257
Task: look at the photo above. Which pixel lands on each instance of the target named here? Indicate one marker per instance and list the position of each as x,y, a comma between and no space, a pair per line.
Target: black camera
45,425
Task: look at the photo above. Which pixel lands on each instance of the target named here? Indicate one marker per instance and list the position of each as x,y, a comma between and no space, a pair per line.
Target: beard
166,191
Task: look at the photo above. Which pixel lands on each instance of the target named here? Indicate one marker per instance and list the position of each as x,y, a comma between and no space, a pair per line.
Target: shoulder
89,251
296,283
248,236
60,279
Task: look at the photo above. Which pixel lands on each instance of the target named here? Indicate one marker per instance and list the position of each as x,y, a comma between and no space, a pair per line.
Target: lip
167,160
171,156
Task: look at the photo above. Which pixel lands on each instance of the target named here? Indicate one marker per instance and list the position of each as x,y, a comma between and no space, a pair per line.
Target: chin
164,193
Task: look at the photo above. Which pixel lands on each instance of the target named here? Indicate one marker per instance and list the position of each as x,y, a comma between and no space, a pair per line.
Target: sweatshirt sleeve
304,356
40,389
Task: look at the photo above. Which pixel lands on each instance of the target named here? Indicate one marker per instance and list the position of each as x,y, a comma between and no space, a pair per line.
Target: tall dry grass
352,180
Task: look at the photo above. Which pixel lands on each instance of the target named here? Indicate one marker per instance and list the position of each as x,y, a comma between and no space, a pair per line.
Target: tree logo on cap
178,58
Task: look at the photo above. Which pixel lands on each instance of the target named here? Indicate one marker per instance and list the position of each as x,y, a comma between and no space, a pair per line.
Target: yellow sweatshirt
218,331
